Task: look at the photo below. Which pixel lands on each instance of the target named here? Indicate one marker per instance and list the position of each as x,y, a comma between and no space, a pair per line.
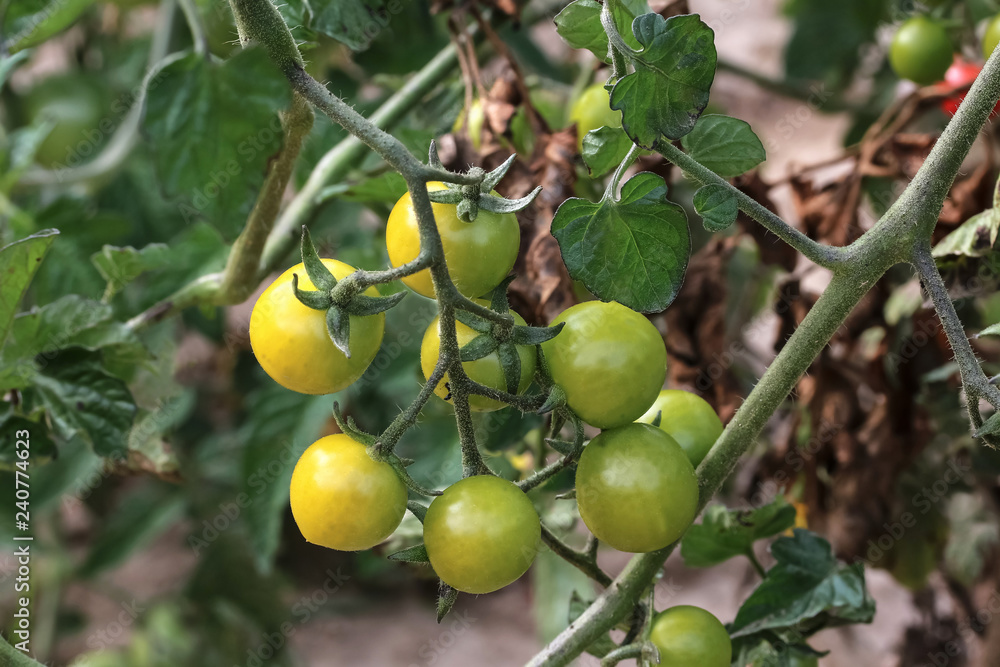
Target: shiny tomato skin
486,371
342,499
687,636
636,489
688,419
291,342
610,361
921,51
481,534
479,254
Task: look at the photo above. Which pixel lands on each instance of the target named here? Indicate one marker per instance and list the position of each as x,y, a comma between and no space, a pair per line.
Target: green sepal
415,554
510,362
472,321
311,299
495,204
411,484
350,428
446,196
564,447
373,305
568,495
555,399
417,510
433,159
493,178
315,269
499,301
657,419
478,347
446,600
535,335
990,427
338,325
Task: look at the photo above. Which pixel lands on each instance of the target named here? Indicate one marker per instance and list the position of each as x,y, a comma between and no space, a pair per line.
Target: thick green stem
240,277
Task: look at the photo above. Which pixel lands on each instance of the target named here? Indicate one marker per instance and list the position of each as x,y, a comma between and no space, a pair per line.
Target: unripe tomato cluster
636,485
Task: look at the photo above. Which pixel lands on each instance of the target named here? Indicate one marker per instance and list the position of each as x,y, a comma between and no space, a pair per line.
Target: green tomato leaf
71,321
604,149
213,129
723,534
83,399
990,427
842,28
579,23
725,145
807,590
18,263
415,554
717,207
120,266
673,76
633,251
354,23
992,330
973,238
31,22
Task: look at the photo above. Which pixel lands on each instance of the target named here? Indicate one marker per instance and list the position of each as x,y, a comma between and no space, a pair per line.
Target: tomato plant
293,346
991,37
688,419
687,635
921,51
609,360
481,534
159,162
342,499
636,488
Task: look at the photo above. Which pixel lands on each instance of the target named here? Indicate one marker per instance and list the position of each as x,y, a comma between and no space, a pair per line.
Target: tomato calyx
502,337
340,299
377,453
470,198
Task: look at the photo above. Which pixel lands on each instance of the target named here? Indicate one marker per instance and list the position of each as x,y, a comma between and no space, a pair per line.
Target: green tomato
473,119
992,36
479,254
636,488
592,111
76,104
481,534
610,361
921,51
688,636
688,419
486,371
342,499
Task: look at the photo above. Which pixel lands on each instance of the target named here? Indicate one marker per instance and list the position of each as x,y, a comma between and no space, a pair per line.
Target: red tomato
961,73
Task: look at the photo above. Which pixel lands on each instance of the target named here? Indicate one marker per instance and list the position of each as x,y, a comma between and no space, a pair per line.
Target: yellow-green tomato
992,36
293,346
486,371
636,488
688,419
472,119
342,499
481,534
479,254
687,636
610,361
592,111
